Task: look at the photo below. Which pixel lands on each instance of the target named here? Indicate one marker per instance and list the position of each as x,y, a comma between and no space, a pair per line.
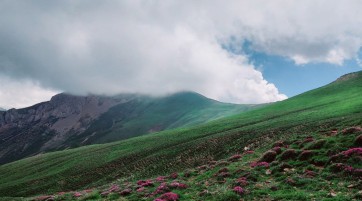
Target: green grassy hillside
334,106
151,114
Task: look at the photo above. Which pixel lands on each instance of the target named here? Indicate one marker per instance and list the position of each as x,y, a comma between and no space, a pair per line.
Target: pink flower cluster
349,152
162,188
168,197
174,175
234,158
126,191
178,185
160,179
259,164
277,150
242,181
145,183
77,194
238,190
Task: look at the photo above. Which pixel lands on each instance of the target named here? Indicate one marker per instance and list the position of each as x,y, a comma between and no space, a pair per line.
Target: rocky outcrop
46,126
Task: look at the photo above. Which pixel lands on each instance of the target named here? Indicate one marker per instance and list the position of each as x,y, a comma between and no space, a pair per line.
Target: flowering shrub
239,190
269,156
242,181
234,158
288,154
249,152
178,185
162,188
160,179
170,196
77,194
349,152
126,192
358,140
174,175
305,155
277,150
351,130
340,167
141,189
279,144
113,188
144,183
259,164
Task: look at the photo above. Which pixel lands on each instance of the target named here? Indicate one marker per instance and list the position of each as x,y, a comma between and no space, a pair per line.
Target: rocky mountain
70,121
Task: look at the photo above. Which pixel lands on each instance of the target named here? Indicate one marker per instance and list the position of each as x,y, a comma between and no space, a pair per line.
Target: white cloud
159,47
15,94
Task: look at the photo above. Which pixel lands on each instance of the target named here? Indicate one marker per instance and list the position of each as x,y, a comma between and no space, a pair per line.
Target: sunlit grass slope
338,104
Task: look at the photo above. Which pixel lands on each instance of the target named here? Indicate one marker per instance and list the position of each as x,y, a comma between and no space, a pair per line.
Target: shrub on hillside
351,130
170,196
242,181
279,144
358,141
288,154
238,190
174,175
305,155
277,150
317,144
268,156
234,158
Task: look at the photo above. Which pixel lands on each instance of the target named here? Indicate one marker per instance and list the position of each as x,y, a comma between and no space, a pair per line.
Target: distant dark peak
349,76
62,97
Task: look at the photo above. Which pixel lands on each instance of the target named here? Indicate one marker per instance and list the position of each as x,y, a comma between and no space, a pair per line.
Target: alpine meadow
180,100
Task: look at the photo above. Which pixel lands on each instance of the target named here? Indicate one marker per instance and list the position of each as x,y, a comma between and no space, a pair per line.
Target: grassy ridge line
186,147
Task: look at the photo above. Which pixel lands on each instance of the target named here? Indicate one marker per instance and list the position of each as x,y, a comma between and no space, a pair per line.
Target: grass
337,105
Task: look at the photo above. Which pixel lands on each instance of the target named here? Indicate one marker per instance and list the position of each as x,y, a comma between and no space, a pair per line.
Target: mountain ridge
67,121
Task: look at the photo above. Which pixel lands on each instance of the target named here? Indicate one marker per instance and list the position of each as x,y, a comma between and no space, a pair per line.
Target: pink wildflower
144,183
234,158
349,152
174,175
161,189
238,190
178,185
160,178
77,194
169,196
249,152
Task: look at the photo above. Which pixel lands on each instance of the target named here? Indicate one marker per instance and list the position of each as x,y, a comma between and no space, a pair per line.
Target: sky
244,51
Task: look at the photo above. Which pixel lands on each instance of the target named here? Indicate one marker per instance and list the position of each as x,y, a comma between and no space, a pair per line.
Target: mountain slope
70,121
333,106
